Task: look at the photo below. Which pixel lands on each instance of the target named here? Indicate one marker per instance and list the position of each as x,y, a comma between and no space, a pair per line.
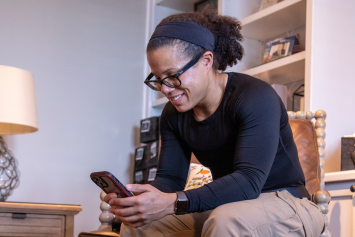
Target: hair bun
226,30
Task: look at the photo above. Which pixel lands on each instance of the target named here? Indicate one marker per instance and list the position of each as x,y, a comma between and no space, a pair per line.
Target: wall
87,57
333,71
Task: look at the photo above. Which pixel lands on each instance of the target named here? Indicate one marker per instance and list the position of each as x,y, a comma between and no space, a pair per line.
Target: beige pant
270,215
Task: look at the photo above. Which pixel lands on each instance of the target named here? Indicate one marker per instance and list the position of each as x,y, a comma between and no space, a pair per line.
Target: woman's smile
176,99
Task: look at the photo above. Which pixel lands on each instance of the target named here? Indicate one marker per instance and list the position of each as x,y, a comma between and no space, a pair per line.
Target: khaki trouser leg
270,215
188,225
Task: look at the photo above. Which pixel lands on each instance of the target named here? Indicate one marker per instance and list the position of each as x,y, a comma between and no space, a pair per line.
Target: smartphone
110,184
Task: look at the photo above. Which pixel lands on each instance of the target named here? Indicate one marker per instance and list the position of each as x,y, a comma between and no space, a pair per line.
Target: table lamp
18,115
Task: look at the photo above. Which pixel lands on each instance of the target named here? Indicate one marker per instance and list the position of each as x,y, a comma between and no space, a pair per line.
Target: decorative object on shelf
18,115
140,165
298,92
139,176
152,155
140,158
146,156
281,47
152,172
201,4
146,162
268,3
149,130
348,152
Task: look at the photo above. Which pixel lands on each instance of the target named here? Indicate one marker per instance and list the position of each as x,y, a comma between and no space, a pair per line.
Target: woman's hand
150,205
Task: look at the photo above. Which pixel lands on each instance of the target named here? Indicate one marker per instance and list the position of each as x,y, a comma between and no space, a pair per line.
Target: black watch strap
182,203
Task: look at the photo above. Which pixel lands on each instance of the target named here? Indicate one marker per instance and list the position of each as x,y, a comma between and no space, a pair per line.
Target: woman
234,124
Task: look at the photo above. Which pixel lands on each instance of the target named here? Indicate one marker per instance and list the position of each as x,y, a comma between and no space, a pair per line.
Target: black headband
186,31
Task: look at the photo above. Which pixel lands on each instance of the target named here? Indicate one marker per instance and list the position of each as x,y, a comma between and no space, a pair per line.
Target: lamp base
9,174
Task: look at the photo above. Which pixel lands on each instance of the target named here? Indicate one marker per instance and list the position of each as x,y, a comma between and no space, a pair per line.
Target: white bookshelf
274,20
281,71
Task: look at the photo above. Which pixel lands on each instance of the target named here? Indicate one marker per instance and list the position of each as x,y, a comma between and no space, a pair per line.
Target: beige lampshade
18,113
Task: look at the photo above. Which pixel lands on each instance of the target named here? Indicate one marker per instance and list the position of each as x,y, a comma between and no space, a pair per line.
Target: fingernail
129,186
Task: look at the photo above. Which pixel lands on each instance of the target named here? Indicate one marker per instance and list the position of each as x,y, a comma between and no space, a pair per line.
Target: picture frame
139,153
152,173
281,47
138,176
153,150
145,126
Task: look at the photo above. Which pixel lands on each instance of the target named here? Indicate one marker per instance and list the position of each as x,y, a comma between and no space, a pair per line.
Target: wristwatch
182,203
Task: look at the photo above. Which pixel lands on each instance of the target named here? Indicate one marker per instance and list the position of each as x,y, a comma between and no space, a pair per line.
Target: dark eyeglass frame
193,61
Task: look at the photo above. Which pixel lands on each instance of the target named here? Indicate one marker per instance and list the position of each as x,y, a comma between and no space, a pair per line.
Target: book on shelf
281,47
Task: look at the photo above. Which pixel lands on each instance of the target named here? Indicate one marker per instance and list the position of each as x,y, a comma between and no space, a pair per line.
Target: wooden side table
35,219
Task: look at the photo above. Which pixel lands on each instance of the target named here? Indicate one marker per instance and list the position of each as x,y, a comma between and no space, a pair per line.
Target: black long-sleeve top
247,143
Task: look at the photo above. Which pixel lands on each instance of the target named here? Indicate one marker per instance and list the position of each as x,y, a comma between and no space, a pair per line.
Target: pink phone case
110,184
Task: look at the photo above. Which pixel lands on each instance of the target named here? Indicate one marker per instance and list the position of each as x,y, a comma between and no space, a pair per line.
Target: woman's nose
165,89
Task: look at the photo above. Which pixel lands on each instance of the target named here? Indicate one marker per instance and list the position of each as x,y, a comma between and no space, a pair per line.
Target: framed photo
139,154
145,127
153,150
201,4
280,48
138,176
152,174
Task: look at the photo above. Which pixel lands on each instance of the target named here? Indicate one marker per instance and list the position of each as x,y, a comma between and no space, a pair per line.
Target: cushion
199,175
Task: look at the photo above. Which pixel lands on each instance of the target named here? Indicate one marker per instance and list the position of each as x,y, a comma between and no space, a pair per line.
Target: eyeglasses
173,80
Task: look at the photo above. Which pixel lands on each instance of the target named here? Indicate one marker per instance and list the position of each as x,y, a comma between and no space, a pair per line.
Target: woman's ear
207,60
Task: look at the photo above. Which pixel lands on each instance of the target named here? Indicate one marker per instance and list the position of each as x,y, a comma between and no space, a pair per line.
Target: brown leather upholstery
305,138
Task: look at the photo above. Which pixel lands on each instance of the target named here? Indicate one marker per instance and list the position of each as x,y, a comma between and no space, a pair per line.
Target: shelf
159,103
281,71
266,23
339,176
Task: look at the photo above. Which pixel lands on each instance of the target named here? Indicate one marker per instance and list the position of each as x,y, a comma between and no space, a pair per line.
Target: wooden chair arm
322,199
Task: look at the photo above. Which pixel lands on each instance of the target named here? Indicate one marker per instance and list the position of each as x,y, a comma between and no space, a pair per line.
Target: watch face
182,206
182,203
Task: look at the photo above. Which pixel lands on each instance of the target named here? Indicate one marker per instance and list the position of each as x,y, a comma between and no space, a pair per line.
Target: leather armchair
309,139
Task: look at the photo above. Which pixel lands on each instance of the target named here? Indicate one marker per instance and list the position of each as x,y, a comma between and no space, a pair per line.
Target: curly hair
225,29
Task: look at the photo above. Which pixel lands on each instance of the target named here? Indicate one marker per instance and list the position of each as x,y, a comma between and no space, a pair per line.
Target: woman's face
167,61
